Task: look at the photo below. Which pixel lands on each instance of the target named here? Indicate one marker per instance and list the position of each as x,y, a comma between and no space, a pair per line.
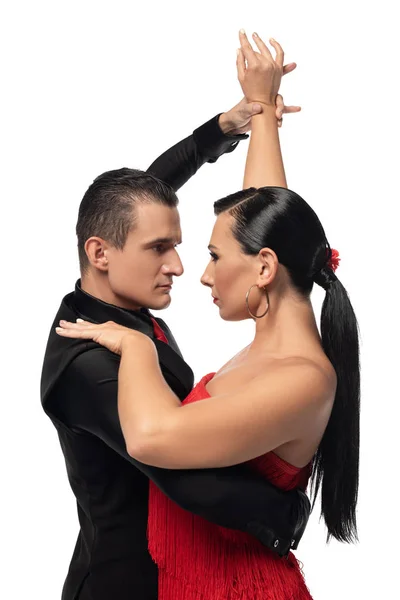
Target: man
128,228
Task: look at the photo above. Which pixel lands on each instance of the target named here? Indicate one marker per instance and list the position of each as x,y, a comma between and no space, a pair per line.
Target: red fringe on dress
198,560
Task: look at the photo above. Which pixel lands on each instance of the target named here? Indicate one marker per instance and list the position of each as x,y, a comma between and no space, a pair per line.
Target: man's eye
159,248
214,257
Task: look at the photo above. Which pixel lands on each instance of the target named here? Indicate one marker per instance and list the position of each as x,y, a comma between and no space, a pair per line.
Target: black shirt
79,394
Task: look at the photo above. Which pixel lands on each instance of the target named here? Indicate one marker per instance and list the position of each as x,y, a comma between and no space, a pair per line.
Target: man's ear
96,250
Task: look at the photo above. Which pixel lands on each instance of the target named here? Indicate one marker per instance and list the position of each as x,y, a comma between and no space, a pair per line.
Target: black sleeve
207,143
233,497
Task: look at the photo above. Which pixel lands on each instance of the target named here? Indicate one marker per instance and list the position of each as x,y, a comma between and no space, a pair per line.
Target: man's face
141,274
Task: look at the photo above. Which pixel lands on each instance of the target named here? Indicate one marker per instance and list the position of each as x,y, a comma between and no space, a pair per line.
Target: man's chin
160,303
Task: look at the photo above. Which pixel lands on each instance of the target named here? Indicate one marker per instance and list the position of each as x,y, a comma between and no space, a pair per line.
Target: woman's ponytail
336,461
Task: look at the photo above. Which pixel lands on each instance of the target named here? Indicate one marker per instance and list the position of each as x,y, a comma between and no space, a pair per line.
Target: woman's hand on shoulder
109,334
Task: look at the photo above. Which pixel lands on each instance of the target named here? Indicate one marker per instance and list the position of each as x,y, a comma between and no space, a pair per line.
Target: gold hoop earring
247,303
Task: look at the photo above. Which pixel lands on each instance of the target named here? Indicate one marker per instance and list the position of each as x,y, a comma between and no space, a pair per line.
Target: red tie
158,332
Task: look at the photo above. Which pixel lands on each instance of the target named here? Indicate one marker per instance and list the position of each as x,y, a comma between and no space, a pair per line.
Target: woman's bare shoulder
318,362
316,370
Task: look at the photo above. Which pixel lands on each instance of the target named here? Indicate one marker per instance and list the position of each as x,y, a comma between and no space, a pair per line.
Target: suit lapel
173,363
170,337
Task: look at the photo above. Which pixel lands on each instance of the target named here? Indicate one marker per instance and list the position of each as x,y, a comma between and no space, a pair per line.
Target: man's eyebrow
163,240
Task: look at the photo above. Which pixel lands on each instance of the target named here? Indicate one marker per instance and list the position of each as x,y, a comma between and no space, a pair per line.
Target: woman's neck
289,328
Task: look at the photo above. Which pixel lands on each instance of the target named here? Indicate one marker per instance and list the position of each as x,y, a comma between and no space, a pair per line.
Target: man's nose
175,266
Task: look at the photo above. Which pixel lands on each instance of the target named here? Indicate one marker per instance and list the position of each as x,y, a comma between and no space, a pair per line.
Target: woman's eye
214,257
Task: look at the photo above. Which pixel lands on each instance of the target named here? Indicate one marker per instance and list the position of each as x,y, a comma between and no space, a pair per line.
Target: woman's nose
206,279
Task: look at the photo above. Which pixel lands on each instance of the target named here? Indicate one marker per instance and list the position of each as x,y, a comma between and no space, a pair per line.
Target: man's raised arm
206,144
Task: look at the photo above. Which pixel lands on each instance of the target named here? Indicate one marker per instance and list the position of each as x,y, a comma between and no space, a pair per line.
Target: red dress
198,560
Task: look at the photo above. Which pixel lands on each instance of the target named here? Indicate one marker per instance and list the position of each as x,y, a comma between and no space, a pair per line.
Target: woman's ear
268,267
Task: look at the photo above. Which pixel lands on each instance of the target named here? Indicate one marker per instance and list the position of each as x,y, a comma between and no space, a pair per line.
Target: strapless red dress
198,560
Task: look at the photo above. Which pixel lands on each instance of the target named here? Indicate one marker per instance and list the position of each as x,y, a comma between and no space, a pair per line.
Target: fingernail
62,322
242,31
59,329
271,40
79,320
255,34
237,51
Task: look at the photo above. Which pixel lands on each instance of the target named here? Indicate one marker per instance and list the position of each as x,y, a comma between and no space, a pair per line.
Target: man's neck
99,287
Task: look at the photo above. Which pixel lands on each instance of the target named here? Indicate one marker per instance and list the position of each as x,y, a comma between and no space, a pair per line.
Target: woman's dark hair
280,219
107,208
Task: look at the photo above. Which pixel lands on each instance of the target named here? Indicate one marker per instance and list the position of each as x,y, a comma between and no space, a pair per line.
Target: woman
288,403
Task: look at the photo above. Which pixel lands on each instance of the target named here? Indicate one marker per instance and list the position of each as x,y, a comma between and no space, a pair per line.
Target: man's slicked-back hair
107,209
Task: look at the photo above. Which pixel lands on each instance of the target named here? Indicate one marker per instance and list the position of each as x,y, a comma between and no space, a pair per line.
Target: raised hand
259,73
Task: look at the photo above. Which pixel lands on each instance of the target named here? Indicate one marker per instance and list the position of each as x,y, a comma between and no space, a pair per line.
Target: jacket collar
61,351
96,310
93,309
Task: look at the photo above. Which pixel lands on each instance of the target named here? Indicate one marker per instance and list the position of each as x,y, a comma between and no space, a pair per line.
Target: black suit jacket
79,394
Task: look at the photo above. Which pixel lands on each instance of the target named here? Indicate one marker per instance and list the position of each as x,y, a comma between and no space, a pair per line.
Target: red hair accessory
333,262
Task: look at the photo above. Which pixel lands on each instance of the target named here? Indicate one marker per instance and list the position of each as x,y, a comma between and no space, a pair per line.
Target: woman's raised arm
260,76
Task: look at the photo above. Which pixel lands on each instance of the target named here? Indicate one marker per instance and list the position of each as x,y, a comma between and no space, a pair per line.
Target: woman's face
230,273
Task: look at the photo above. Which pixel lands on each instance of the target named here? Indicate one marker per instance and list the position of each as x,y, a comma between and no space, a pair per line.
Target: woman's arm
219,431
224,430
260,80
264,165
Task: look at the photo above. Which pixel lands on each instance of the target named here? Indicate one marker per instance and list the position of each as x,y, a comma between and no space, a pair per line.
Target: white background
91,86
